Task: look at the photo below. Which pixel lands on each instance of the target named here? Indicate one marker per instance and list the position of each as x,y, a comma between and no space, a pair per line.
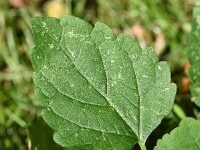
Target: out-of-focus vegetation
164,25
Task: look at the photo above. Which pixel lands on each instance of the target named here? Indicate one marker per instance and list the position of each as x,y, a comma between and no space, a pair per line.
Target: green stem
142,145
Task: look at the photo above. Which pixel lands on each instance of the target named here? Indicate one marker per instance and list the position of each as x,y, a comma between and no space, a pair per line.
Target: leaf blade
193,53
184,137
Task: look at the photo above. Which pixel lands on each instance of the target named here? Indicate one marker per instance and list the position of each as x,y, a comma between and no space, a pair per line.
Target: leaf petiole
142,145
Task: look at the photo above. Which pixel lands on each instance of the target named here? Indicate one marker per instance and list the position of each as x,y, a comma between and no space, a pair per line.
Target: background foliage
164,25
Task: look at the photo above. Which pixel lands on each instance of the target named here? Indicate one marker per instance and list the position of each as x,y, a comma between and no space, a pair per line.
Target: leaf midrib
138,92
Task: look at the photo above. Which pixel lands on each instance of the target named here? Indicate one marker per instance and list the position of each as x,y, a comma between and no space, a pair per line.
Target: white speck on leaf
72,85
51,46
159,67
107,37
71,34
119,76
44,24
144,76
166,89
112,61
43,32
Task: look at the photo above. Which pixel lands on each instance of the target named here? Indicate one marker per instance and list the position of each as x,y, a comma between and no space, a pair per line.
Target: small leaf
193,53
184,137
99,90
41,136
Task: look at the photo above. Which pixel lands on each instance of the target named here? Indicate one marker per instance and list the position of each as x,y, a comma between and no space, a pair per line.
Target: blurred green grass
18,105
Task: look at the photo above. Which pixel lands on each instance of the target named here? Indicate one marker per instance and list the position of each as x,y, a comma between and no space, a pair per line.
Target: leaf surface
193,53
99,90
184,137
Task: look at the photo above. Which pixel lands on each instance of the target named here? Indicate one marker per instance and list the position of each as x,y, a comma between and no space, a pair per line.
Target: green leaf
194,56
184,137
99,90
41,136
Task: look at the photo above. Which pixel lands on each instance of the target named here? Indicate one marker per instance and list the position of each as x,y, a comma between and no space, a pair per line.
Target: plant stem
142,145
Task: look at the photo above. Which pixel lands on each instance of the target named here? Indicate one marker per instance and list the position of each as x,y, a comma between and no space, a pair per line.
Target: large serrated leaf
184,137
99,90
194,56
